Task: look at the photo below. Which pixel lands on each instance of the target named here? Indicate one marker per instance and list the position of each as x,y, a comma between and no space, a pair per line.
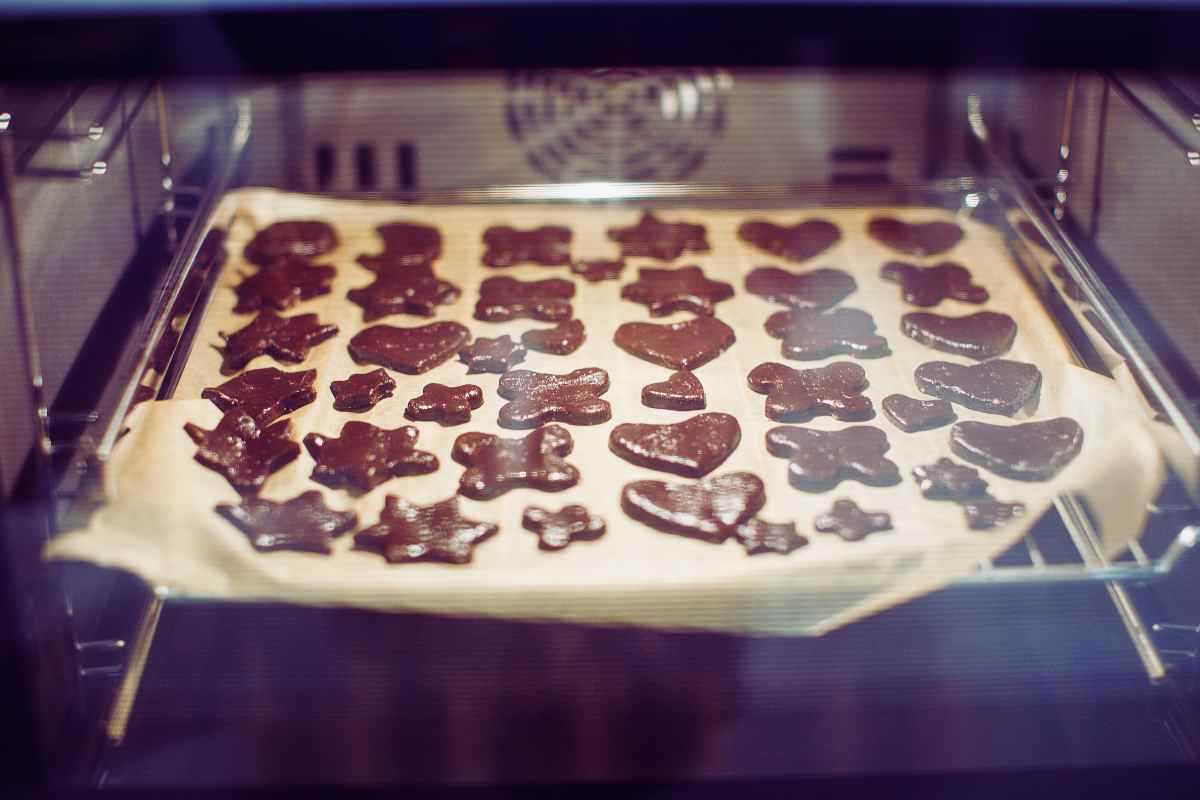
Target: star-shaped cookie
664,291
282,338
265,394
241,451
303,523
363,456
282,285
653,238
408,532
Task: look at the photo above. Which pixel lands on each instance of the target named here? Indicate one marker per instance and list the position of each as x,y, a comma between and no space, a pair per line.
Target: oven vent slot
859,166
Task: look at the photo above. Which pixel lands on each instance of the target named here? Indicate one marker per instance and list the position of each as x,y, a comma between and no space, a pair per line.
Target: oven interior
106,188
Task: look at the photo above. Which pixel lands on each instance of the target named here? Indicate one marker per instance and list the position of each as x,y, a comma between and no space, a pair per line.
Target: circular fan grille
611,124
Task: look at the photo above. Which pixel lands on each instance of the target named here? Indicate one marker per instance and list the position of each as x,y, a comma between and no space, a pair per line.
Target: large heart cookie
679,345
1031,451
999,386
818,288
915,239
798,242
408,350
981,335
692,448
710,510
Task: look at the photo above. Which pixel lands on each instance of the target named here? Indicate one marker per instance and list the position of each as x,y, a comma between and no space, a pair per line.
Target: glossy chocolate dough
665,291
794,395
850,522
282,284
361,392
561,340
363,456
818,288
407,290
946,479
241,451
408,350
598,269
819,460
928,286
303,238
557,529
999,386
912,415
681,391
497,355
449,405
798,242
282,338
502,299
711,509
678,345
1030,451
921,239
809,334
759,537
303,523
539,397
405,244
534,461
265,394
549,245
691,448
653,238
407,532
981,335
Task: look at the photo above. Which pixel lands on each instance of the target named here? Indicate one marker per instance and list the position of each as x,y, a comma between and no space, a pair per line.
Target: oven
124,187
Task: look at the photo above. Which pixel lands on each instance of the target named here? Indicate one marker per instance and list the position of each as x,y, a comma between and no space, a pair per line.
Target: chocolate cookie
599,269
664,291
921,239
303,238
691,448
282,338
1030,451
653,238
407,290
243,452
759,537
503,299
798,242
928,286
911,415
809,334
557,529
681,391
549,245
818,288
946,479
980,335
405,244
998,386
679,345
265,394
987,512
850,522
712,509
495,465
561,340
408,350
449,405
361,392
363,456
819,460
408,532
282,284
303,523
539,397
491,355
794,395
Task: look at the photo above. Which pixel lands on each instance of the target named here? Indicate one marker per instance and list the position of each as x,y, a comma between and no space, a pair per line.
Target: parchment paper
158,521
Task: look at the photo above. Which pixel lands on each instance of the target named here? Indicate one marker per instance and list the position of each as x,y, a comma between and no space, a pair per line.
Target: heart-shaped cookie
798,242
999,386
981,335
710,510
818,288
911,415
682,391
915,239
692,448
408,350
679,345
1030,451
